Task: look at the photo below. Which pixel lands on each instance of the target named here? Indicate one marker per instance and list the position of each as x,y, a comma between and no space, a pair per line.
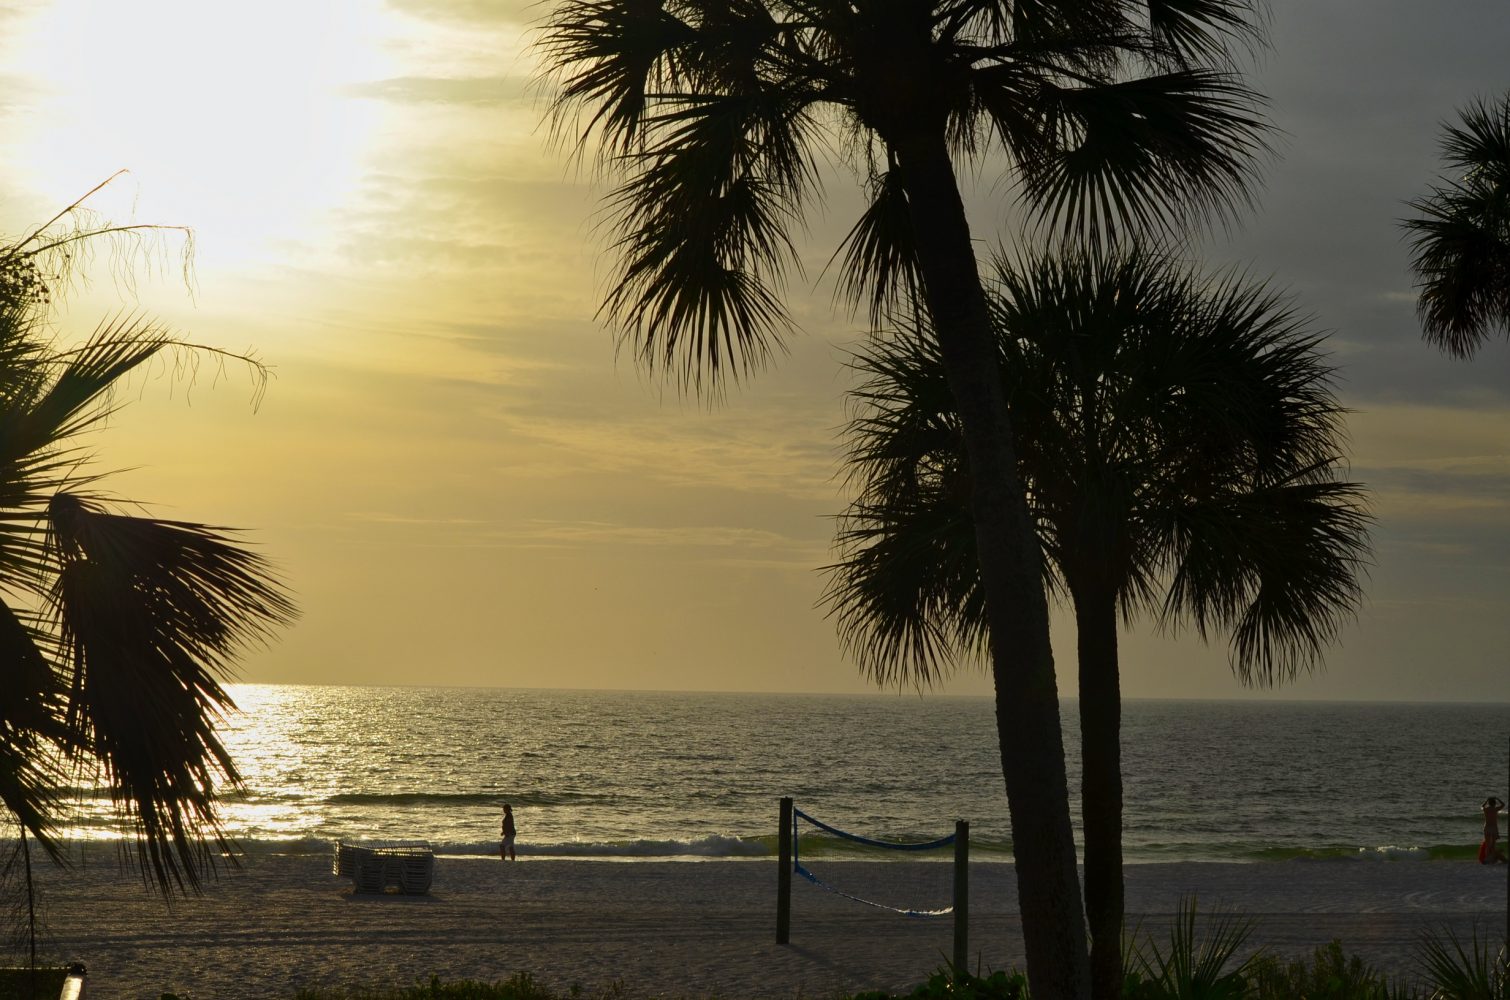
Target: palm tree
715,117
1460,243
1179,441
114,627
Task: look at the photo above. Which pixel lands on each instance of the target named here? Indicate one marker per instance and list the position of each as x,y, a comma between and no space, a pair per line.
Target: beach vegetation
715,123
1181,446
1330,974
952,984
1460,234
117,627
1465,970
1202,958
520,986
1200,961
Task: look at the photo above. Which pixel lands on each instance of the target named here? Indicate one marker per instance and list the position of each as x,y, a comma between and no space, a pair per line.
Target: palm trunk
1022,662
1101,785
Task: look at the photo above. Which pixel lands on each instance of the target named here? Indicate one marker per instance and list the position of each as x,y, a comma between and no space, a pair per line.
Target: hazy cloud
469,11
470,92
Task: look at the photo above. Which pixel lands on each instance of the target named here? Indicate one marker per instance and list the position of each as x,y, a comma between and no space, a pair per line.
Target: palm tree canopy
117,628
1179,440
1460,240
716,117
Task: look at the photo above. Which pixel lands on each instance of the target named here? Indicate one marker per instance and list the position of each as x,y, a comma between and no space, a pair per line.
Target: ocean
649,775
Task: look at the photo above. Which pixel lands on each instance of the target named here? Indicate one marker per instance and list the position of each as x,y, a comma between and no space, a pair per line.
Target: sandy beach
680,929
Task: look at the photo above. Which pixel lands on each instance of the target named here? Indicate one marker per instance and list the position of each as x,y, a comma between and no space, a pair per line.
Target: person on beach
1489,851
506,850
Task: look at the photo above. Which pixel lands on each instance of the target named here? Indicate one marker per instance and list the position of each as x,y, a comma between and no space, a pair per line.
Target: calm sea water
626,775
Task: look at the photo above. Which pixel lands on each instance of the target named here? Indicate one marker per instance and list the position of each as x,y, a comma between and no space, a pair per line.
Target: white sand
681,929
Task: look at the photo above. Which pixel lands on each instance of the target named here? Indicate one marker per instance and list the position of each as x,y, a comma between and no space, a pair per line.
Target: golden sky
464,485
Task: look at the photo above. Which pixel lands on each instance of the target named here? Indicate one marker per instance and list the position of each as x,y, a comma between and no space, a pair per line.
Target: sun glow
235,120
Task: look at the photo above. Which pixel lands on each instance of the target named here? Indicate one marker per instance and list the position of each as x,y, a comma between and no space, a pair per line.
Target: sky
464,483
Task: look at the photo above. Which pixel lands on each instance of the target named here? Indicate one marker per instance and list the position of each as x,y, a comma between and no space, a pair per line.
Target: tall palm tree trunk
1101,784
1022,661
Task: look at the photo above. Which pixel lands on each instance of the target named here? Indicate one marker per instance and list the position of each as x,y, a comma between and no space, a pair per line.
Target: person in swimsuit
1491,852
506,851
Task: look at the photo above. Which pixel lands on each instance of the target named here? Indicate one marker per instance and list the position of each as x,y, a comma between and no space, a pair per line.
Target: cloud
483,12
476,92
382,517
719,544
767,453
589,533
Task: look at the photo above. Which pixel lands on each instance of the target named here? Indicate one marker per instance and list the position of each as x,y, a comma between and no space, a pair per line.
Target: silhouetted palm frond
1460,241
1179,439
123,626
711,115
1116,115
150,613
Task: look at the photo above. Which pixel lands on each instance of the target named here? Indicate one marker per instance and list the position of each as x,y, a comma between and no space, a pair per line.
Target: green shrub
945,985
1330,975
520,986
1474,972
1199,965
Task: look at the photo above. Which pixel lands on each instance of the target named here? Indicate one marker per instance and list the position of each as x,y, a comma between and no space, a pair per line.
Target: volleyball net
800,869
791,864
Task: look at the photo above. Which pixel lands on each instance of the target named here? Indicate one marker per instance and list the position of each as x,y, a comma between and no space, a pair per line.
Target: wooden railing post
784,877
961,898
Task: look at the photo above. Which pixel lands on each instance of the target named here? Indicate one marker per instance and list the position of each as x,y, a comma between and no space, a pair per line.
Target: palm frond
1460,238
1200,960
880,262
1179,439
1152,155
703,225
1284,583
908,603
1203,31
40,267
83,378
149,613
117,673
609,56
1461,267
905,593
29,730
1459,970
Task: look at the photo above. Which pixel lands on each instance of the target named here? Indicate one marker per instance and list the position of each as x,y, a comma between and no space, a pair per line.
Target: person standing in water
506,850
1490,852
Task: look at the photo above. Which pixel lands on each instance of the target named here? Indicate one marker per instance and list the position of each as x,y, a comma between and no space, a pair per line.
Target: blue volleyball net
797,866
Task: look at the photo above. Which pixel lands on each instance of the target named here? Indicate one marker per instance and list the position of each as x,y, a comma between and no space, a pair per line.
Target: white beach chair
345,861
408,866
417,871
367,871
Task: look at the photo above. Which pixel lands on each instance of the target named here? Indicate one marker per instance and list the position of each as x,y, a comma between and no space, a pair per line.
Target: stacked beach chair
407,865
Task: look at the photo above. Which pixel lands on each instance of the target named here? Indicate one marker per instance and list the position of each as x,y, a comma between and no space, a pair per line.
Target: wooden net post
961,898
784,877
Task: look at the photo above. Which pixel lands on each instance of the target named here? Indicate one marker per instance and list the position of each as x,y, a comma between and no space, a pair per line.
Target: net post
961,898
784,876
